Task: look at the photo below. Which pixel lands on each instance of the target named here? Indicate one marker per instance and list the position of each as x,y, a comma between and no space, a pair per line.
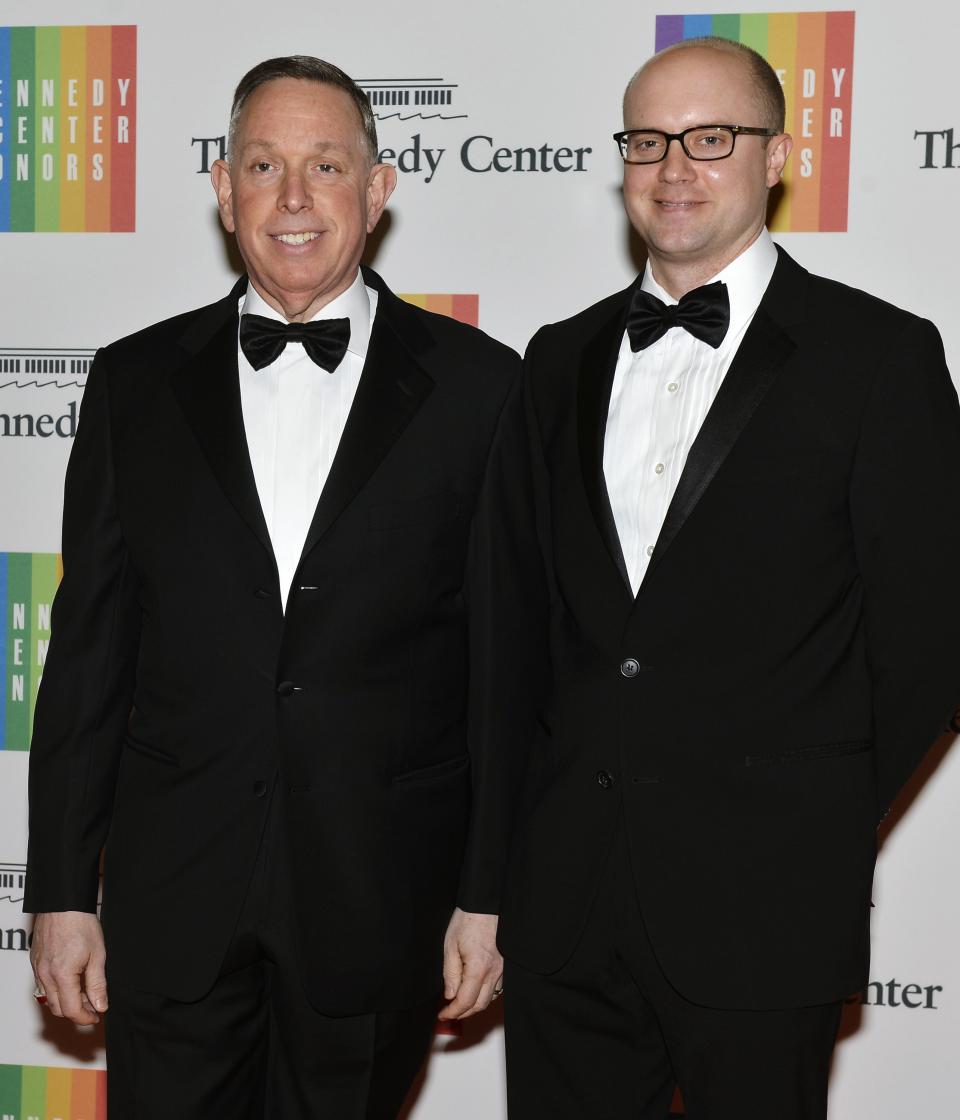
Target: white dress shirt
294,414
659,400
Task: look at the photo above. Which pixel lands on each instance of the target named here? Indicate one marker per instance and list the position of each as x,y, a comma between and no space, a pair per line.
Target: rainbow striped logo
68,129
812,52
50,1093
466,308
28,581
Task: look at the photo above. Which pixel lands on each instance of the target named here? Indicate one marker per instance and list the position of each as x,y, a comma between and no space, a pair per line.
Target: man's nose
676,165
294,193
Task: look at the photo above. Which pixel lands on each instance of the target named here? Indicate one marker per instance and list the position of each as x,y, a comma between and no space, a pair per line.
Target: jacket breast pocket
155,754
434,770
811,752
429,510
420,536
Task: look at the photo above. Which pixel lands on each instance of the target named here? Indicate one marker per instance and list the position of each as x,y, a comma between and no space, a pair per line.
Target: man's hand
68,956
472,967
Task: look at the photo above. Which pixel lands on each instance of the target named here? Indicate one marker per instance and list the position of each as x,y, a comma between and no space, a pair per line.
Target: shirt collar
353,304
747,278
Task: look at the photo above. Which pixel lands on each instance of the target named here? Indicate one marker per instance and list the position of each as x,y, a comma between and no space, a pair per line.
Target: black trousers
608,1038
253,1048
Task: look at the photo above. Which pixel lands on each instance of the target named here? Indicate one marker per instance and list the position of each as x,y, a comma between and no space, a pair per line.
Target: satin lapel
392,388
764,349
598,365
207,386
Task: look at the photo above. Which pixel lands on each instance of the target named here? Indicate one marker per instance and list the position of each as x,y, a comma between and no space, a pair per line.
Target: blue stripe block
696,26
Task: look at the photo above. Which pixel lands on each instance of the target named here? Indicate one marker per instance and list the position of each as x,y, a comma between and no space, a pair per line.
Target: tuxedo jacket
789,658
388,708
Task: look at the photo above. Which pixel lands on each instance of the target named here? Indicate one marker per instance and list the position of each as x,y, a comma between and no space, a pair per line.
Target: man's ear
777,153
223,188
380,185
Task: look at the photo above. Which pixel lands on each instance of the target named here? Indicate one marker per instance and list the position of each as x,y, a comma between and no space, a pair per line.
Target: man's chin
688,249
296,295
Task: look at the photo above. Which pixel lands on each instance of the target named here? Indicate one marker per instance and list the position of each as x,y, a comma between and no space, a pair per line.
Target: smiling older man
305,812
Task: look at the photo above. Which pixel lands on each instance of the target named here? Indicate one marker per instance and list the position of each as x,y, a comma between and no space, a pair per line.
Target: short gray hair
306,68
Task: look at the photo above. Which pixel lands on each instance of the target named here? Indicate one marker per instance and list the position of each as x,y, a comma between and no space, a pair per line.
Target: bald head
771,107
697,214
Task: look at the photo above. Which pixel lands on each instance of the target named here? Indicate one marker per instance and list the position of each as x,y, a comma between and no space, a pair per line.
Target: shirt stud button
659,468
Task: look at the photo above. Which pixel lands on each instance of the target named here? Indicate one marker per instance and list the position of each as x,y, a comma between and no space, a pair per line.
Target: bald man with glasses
748,483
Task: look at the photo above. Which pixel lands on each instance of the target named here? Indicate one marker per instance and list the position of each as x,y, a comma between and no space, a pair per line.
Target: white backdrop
534,245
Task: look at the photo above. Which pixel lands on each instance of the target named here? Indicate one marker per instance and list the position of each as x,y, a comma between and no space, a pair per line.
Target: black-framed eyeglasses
703,141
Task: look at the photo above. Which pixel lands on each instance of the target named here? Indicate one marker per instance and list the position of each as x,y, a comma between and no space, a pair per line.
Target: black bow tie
704,313
325,340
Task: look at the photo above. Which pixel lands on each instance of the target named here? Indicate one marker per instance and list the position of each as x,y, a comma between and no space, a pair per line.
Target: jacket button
259,789
286,688
604,780
630,667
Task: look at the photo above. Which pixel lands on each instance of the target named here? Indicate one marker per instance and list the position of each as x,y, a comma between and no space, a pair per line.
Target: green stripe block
10,1091
753,32
44,584
22,68
33,1092
727,27
46,171
18,684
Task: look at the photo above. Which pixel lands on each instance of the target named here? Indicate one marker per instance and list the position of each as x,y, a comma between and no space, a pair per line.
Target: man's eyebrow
319,145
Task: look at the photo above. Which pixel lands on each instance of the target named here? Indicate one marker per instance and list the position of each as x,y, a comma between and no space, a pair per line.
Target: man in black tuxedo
288,678
748,482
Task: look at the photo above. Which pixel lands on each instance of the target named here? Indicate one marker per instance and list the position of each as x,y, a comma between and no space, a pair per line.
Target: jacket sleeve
506,605
86,692
905,512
